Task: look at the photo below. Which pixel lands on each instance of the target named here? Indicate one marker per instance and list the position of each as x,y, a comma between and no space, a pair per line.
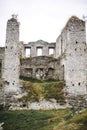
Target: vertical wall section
71,47
76,57
11,59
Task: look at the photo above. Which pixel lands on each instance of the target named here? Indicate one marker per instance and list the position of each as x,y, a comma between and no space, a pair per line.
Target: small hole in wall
13,83
6,47
75,49
79,83
6,82
76,42
72,84
82,29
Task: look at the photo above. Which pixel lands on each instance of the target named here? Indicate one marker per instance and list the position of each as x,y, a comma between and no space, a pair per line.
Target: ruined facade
72,45
42,67
63,60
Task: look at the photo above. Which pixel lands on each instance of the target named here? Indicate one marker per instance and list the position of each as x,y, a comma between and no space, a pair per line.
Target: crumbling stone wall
21,49
41,67
74,54
11,56
1,60
39,44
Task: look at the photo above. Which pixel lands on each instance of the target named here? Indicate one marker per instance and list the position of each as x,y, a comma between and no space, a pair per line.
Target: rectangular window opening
39,51
51,51
27,52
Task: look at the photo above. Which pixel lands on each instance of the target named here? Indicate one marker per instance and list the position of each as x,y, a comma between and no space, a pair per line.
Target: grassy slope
43,90
43,120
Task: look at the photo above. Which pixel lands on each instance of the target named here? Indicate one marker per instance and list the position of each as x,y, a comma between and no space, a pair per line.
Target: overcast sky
40,19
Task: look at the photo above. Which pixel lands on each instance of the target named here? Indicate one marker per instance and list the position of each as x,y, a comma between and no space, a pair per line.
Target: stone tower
71,47
11,58
75,70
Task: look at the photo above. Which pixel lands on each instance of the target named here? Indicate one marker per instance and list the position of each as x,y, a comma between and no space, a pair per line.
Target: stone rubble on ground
41,105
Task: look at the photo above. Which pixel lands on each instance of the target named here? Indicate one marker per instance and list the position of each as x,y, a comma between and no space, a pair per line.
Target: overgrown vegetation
43,90
35,80
44,120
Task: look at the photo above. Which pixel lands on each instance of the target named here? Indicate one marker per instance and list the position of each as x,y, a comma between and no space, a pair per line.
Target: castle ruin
63,60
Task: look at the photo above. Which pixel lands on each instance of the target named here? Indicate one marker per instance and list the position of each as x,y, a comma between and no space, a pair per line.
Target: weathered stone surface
41,67
45,46
10,63
11,57
72,43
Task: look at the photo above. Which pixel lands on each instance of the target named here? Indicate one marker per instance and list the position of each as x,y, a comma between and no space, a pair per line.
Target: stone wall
45,46
11,56
41,67
74,50
2,49
76,57
21,49
61,44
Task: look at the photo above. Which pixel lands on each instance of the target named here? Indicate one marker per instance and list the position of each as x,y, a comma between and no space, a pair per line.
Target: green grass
43,120
26,120
35,80
30,79
43,90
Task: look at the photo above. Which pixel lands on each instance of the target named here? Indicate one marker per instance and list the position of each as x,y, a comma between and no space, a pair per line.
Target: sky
39,19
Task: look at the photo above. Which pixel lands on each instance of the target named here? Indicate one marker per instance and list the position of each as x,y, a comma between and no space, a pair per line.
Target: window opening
28,52
51,51
39,51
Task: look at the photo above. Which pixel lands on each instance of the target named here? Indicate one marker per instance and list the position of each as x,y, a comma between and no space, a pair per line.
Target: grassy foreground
44,120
